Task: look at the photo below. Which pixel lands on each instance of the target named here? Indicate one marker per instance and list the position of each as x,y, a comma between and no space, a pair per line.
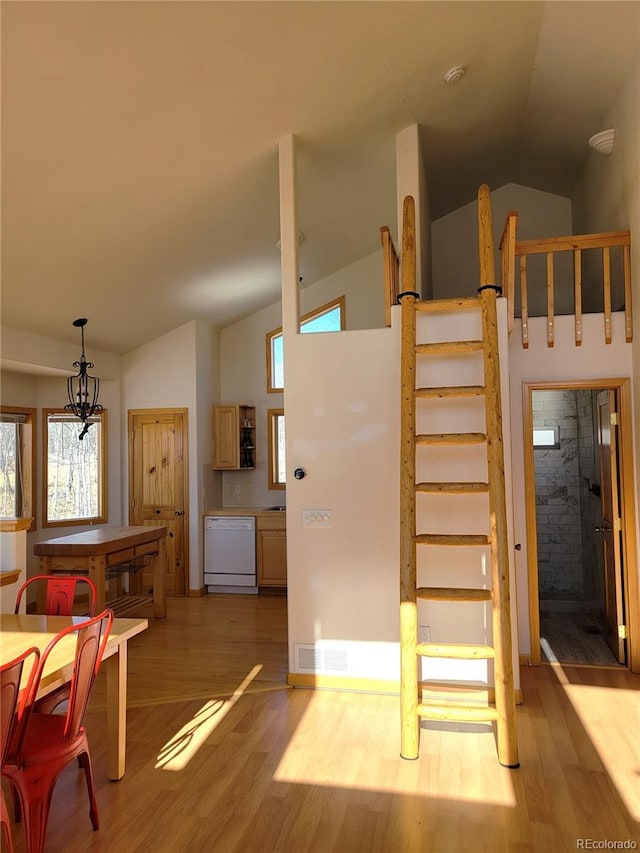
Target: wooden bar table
96,551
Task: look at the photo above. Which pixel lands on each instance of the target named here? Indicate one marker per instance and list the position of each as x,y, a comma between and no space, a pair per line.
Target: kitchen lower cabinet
271,551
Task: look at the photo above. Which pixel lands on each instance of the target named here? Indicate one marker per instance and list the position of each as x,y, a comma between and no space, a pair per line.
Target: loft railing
391,273
515,254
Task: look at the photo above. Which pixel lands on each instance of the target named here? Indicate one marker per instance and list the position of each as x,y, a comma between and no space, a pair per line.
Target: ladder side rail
501,617
410,722
502,640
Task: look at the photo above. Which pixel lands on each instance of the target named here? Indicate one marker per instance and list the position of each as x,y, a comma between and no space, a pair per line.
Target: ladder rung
452,488
453,539
458,651
455,687
459,304
451,593
448,347
458,712
451,438
451,391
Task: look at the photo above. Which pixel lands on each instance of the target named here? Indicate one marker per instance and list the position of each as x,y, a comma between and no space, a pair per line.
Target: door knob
178,512
601,529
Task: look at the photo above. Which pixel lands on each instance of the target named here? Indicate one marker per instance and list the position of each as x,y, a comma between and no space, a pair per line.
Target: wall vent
323,659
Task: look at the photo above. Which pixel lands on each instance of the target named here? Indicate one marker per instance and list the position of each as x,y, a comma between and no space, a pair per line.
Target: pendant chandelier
83,388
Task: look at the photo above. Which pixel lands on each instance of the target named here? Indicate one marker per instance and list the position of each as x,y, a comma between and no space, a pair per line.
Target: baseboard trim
347,683
368,685
197,593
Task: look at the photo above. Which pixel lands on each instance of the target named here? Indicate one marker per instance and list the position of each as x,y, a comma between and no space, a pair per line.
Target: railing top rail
607,239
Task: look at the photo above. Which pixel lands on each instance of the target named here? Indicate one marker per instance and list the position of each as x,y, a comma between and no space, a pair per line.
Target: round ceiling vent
454,74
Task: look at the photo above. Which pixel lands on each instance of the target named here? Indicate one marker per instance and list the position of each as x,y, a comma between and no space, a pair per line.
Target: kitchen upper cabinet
271,551
234,437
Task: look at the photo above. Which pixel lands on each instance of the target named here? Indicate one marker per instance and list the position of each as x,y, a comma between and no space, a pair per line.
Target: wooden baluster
509,266
577,289
390,264
524,312
550,299
628,321
606,279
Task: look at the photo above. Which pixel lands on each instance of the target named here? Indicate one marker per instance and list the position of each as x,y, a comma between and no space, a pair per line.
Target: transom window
75,472
327,318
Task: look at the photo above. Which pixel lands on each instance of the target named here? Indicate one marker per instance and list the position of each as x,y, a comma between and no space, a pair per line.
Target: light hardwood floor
275,769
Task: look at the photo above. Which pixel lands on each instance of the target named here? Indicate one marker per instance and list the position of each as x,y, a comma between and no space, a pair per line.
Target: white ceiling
139,139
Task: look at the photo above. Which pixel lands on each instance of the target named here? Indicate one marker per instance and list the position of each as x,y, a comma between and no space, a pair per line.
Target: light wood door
610,532
158,485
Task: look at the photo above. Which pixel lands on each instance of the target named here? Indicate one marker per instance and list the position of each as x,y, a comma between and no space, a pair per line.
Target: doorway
583,590
158,492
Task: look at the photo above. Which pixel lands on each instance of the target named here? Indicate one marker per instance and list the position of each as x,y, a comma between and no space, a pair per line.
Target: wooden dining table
19,632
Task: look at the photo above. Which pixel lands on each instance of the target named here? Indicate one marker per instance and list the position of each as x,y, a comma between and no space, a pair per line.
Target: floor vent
314,659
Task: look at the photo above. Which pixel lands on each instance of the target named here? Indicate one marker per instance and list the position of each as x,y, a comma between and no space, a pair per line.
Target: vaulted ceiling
139,139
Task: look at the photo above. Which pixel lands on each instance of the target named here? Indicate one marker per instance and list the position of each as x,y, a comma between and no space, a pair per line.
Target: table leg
116,711
97,573
160,580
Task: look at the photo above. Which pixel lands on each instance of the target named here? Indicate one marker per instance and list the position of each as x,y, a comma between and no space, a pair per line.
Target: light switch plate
316,518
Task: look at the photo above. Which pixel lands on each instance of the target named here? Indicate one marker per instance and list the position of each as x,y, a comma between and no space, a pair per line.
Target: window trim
339,302
272,433
29,456
103,509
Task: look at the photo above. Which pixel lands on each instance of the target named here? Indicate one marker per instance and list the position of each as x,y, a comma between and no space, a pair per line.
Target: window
546,437
327,318
75,472
277,460
17,462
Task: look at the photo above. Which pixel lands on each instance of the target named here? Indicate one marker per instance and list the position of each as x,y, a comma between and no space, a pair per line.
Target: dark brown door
610,532
158,485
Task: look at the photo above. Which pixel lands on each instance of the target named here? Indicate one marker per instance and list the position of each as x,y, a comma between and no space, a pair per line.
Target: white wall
607,198
455,243
243,363
539,363
342,428
170,372
22,351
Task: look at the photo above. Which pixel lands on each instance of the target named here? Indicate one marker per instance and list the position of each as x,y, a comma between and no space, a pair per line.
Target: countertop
256,511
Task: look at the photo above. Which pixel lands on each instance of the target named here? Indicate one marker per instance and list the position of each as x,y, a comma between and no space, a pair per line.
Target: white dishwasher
230,553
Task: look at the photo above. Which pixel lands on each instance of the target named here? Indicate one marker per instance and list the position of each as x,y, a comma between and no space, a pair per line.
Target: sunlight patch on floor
178,752
361,749
597,708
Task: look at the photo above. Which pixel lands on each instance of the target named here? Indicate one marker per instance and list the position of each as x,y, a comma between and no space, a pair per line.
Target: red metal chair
12,706
47,743
59,600
60,593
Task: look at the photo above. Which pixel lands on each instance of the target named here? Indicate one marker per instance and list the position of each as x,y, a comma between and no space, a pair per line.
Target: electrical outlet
424,633
237,490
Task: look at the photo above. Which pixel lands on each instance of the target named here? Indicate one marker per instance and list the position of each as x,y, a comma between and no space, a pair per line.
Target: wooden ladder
502,710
